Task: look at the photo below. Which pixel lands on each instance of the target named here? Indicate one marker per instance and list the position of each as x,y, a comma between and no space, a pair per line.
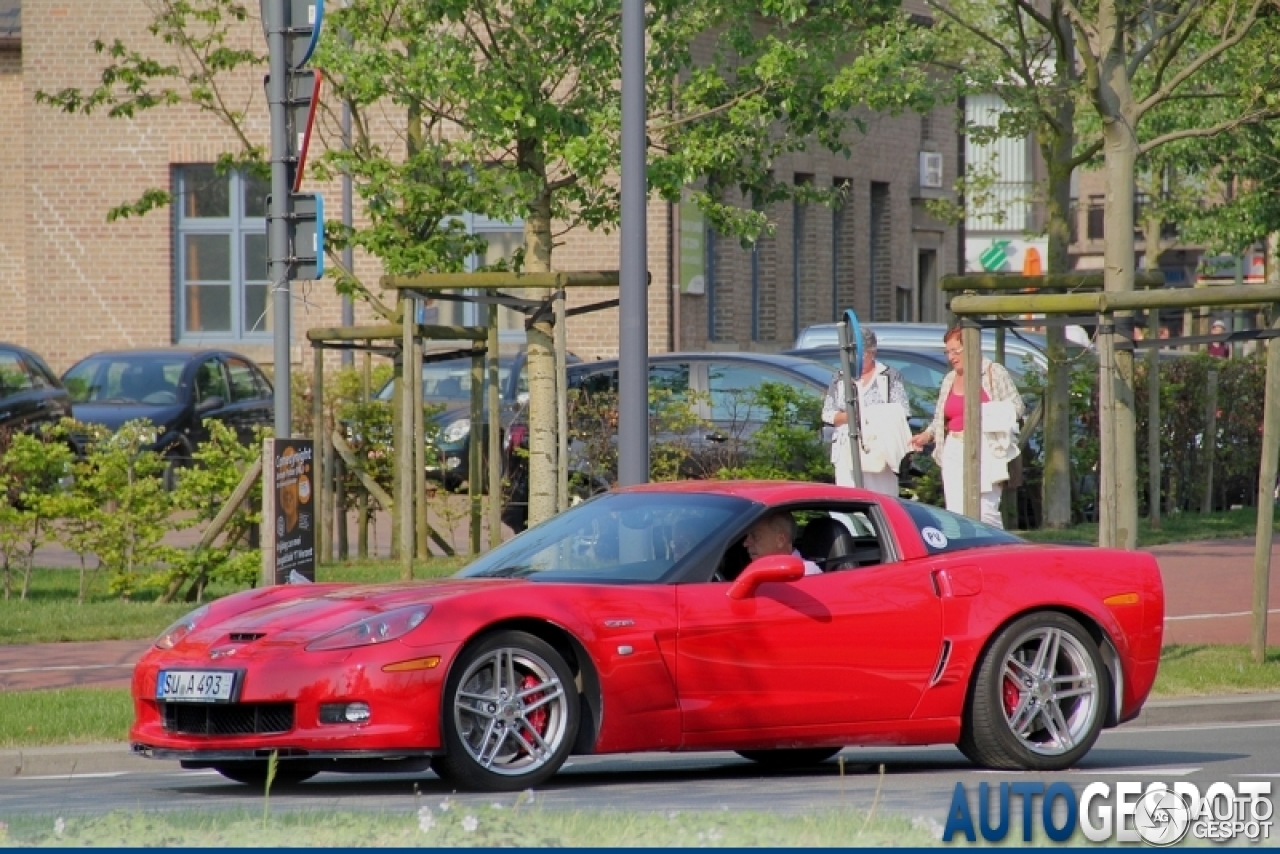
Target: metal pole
348,253
1107,530
1210,439
971,341
319,488
633,314
1153,421
280,209
560,338
495,434
852,412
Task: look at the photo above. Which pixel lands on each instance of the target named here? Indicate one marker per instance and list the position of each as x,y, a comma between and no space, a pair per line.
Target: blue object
855,337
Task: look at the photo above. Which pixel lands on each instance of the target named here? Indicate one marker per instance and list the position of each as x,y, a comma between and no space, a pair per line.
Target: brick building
194,274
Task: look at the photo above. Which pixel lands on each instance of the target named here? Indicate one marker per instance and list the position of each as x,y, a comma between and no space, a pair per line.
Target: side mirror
209,404
765,569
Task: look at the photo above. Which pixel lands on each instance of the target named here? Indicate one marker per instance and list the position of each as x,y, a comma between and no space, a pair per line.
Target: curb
71,760
1221,709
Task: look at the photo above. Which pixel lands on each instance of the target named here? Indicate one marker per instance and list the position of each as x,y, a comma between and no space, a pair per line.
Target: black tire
173,461
500,738
796,757
1017,717
255,773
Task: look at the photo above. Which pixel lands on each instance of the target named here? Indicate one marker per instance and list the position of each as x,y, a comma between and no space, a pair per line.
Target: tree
1027,57
1127,60
512,110
1139,57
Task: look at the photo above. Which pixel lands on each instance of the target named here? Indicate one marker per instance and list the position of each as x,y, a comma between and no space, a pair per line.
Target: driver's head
771,535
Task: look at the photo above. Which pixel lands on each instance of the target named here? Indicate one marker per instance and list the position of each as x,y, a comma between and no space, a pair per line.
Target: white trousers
884,482
953,485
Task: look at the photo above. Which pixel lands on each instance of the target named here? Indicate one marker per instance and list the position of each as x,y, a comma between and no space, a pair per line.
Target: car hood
320,609
114,415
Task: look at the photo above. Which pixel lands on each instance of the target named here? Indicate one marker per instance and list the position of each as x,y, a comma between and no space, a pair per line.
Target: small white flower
59,826
495,805
444,805
426,821
470,823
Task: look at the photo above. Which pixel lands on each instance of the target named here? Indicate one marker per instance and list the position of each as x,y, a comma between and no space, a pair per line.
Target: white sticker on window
934,537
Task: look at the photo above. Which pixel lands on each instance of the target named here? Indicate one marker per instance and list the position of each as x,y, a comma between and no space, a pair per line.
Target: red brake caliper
1011,693
538,717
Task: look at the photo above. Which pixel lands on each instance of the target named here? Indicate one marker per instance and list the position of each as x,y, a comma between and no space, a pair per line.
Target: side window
668,384
210,381
243,384
602,382
732,389
44,378
13,374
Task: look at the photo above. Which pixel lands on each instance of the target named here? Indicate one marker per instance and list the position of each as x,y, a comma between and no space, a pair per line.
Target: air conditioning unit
931,170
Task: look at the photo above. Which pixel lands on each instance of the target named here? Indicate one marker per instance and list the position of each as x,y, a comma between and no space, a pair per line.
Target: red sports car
637,621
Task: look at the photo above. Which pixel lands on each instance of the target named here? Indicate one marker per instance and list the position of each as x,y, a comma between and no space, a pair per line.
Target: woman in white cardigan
885,435
947,432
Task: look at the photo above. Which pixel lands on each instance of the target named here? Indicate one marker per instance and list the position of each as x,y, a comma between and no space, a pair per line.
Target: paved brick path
1208,593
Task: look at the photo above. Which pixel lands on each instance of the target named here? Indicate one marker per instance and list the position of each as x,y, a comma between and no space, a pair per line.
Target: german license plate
196,686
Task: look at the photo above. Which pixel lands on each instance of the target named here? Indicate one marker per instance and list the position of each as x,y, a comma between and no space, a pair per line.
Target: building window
1096,218
502,240
221,254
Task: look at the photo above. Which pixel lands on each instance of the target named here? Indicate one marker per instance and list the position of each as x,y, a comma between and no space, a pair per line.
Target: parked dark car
176,390
718,387
446,383
30,393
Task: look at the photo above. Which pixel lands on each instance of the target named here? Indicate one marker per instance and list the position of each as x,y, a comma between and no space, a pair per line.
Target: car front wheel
510,714
1040,697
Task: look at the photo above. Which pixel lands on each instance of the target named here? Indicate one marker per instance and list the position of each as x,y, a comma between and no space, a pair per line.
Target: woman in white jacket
947,431
885,435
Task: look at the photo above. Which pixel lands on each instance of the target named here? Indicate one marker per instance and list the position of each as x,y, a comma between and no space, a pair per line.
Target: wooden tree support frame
974,309
547,295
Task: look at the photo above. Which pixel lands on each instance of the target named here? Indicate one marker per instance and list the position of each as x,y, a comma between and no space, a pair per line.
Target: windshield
615,538
451,380
125,378
944,532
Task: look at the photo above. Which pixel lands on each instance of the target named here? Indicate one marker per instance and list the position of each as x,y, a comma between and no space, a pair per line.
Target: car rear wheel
510,714
1039,699
255,773
790,757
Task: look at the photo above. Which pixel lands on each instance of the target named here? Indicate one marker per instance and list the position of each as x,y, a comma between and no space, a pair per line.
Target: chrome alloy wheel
1049,690
511,711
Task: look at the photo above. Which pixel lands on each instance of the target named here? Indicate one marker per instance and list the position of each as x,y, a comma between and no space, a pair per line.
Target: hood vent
246,637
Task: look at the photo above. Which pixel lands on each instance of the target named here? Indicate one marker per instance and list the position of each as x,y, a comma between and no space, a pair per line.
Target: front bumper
404,707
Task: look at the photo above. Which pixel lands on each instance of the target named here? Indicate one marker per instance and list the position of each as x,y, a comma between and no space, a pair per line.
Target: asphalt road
916,783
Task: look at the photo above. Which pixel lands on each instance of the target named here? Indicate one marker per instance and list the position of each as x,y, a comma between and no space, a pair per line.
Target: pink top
953,411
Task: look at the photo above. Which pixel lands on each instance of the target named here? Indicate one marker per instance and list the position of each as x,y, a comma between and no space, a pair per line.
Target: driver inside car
775,534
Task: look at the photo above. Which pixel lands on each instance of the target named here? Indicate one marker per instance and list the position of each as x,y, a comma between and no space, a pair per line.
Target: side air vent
943,658
246,637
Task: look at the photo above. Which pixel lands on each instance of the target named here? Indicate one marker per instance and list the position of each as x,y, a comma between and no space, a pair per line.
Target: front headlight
457,430
379,628
171,636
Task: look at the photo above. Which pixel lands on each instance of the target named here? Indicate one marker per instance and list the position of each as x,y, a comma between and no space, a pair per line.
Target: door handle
716,437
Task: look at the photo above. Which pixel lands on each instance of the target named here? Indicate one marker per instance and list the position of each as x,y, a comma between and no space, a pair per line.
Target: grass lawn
51,613
1178,528
510,821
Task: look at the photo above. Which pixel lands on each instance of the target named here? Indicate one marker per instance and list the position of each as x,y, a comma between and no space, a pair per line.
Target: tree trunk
1118,510
542,375
1057,152
1151,244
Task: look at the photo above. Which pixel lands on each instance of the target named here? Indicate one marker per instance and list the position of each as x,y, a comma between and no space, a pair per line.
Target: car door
211,398
19,398
251,404
844,647
52,400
